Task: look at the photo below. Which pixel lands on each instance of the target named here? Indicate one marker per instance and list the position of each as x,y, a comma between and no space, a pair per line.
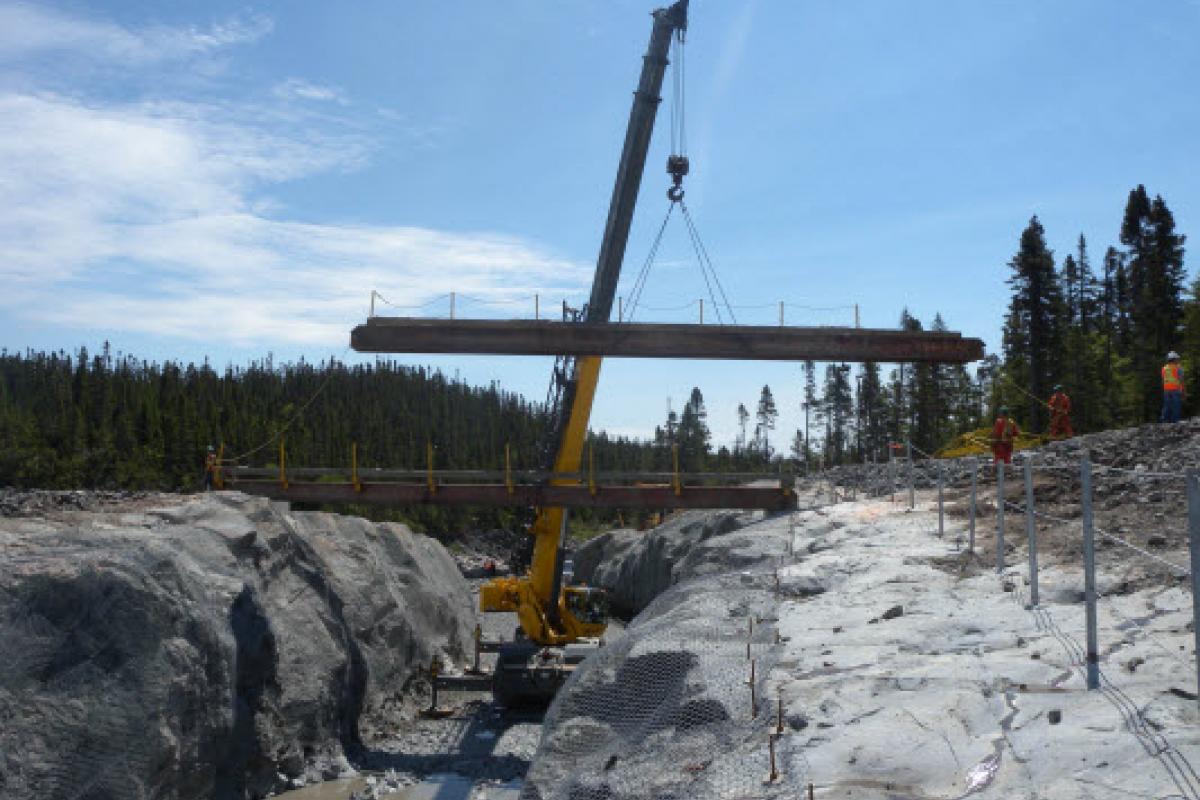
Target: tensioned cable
426,304
639,283
702,253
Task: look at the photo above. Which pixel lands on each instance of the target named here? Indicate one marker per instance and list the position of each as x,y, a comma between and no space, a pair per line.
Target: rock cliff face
198,647
635,567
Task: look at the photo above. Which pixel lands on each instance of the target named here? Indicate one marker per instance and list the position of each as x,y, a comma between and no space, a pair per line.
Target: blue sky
229,179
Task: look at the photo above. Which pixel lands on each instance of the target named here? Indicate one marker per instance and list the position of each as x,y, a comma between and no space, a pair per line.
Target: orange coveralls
1004,432
1060,415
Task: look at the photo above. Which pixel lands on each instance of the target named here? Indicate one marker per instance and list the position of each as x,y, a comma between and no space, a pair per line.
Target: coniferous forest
1100,329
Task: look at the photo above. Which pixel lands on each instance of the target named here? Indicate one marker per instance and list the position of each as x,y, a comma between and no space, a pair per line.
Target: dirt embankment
213,646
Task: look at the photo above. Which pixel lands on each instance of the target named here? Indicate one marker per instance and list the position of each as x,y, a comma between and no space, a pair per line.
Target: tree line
71,420
1102,332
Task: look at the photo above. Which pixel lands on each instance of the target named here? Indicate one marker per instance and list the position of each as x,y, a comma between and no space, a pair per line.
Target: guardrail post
1089,573
429,481
912,487
354,467
592,470
1193,492
508,478
283,481
941,500
1000,498
1031,532
676,485
971,524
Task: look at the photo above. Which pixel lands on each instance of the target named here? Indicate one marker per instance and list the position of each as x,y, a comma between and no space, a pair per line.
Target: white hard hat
1172,356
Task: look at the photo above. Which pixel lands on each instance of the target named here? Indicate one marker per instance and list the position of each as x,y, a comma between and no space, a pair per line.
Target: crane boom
545,617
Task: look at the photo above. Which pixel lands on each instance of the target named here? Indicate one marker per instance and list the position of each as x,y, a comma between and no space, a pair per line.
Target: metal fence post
1000,516
941,500
912,491
974,484
1031,532
1089,573
1193,492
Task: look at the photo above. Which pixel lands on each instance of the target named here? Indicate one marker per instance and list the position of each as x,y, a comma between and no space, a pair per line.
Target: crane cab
587,604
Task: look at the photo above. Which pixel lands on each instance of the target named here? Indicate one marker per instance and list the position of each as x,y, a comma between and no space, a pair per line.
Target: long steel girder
771,498
655,340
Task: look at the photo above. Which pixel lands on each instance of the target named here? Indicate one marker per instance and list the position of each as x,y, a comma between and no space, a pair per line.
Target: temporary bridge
588,488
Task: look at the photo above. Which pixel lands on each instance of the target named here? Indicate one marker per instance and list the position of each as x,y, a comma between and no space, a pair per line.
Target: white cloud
297,89
27,30
166,216
144,218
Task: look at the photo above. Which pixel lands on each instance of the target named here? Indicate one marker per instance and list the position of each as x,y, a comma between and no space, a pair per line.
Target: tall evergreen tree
695,439
1154,252
766,415
1033,330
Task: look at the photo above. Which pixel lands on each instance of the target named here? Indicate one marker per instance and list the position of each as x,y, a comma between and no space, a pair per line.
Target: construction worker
1004,433
210,468
1173,391
1060,414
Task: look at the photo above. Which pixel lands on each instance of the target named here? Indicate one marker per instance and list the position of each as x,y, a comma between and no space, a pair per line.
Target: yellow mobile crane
560,625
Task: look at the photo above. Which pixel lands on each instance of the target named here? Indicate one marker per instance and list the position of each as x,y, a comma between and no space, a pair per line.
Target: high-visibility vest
1172,377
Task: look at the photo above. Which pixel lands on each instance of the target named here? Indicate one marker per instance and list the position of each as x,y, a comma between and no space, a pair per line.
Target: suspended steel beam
655,340
771,498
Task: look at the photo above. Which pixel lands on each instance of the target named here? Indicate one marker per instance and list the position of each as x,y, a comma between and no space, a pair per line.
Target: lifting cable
677,167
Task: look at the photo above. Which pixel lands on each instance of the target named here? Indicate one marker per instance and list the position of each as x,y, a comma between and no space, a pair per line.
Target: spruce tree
766,415
1033,338
1154,253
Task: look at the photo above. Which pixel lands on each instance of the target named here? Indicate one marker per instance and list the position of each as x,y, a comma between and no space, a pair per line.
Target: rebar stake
774,776
753,692
779,721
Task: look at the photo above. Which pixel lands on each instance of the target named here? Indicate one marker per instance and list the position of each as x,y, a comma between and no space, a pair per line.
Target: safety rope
295,415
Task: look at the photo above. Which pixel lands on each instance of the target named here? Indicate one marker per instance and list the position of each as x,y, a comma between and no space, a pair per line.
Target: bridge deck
645,340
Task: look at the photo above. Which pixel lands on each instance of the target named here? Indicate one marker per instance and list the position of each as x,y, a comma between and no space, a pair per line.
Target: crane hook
677,167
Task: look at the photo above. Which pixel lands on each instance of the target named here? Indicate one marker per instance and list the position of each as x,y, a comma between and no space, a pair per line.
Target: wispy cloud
165,216
297,89
144,218
27,30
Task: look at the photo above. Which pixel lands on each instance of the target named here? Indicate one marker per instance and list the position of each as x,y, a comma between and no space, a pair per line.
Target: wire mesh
682,706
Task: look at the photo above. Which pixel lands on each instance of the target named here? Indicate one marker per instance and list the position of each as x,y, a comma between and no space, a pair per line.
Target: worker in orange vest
1004,433
1173,391
210,468
1060,414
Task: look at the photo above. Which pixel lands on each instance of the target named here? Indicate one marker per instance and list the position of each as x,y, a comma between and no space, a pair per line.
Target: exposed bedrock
635,567
198,647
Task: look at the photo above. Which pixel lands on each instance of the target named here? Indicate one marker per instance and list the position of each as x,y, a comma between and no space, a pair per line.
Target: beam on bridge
771,498
658,340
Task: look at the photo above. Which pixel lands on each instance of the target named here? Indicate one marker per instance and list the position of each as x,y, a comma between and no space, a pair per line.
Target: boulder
208,646
635,567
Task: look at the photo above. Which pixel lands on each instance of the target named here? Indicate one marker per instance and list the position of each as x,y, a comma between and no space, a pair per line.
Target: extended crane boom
550,616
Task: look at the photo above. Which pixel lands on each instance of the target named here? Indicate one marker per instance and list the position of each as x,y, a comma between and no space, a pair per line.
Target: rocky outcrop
635,567
208,646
